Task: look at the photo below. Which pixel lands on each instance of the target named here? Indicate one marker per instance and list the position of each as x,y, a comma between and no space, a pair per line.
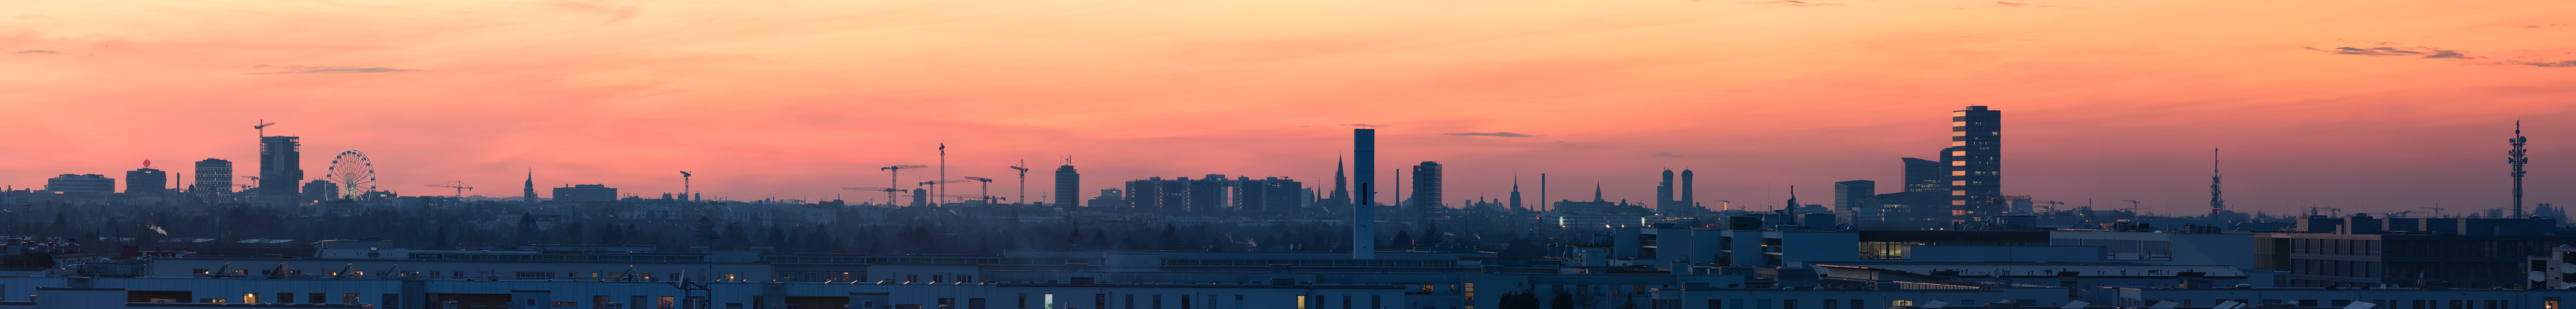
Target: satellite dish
2538,276
2564,267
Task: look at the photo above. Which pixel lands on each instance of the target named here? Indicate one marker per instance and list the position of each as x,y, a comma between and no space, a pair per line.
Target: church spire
530,188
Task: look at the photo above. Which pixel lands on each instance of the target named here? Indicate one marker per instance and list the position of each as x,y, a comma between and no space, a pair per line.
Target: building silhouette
1975,163
529,189
1340,199
1214,194
320,190
214,178
81,183
1516,195
1664,194
1068,188
1855,201
585,193
1110,200
145,181
1689,201
1426,188
280,168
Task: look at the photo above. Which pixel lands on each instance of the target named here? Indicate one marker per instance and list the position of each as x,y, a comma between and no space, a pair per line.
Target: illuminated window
1900,303
250,298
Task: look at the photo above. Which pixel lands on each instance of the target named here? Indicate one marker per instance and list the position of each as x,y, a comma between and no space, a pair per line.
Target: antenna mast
2217,205
2515,157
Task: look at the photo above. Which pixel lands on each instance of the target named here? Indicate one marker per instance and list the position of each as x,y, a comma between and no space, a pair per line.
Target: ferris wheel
355,175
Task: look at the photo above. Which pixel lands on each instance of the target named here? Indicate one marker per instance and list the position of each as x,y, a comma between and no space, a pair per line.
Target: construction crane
2400,214
263,127
2437,209
890,192
458,185
2133,207
894,177
1024,180
987,188
939,182
2051,206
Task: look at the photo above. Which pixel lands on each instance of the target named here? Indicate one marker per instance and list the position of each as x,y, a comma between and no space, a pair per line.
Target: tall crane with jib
943,197
894,178
1024,180
458,185
890,192
987,191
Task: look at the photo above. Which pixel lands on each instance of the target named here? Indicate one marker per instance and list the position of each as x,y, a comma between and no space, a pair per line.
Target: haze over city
2370,106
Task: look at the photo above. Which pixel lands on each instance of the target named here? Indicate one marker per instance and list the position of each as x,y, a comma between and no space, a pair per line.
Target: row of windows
2383,303
1795,304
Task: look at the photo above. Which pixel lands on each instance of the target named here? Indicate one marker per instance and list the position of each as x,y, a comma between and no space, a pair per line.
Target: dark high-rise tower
1426,187
1068,187
145,180
281,170
1689,201
1364,214
1975,162
1664,194
214,178
528,190
1853,201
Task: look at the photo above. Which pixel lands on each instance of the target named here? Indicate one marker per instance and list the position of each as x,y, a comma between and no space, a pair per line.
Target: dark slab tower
1975,163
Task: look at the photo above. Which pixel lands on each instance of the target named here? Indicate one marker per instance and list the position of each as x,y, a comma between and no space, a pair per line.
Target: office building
146,181
1110,200
1426,188
214,178
2365,251
586,193
1214,195
320,190
81,183
1975,163
1690,200
1068,188
1856,201
1664,195
280,168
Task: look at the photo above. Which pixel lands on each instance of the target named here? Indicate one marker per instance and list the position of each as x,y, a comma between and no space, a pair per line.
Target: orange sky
2110,100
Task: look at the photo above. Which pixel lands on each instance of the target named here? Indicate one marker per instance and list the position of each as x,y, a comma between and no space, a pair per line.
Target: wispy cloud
2545,26
37,51
1364,125
2019,4
2437,53
2426,52
2544,64
1499,134
1667,155
1792,3
297,69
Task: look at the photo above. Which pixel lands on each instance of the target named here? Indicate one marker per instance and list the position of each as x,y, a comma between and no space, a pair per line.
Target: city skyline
2100,110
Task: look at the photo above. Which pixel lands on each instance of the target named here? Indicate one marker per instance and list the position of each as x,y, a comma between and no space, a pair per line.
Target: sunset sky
2375,106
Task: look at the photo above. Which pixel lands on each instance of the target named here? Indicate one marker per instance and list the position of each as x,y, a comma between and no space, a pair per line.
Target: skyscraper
1853,201
1689,202
214,178
280,168
1975,162
1364,214
1664,194
1426,187
1068,187
145,181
